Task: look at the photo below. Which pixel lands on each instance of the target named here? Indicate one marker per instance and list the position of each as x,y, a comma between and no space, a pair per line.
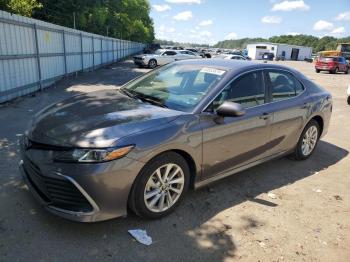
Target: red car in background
332,64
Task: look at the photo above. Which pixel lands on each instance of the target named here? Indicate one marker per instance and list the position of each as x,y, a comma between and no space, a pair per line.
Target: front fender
182,134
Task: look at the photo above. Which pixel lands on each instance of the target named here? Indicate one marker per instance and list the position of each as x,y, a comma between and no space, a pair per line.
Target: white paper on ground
141,236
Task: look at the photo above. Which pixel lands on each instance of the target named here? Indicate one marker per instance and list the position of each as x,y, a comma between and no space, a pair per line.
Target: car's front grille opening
57,191
64,194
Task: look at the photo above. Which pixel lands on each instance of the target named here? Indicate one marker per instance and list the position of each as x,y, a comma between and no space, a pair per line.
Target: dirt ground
232,220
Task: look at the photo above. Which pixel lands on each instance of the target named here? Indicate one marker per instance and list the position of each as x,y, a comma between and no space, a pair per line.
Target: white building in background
289,52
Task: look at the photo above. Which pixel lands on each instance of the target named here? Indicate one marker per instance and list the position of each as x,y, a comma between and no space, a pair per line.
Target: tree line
125,19
317,44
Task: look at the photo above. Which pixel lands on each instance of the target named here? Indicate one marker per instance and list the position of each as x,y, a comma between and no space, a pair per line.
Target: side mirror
230,109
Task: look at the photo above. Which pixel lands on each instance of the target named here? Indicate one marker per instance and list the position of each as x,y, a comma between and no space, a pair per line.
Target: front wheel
152,63
160,186
307,141
317,70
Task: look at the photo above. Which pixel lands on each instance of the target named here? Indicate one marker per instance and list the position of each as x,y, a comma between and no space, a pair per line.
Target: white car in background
234,57
162,57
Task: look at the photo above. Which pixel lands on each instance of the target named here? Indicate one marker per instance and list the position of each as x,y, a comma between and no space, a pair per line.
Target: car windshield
159,52
179,87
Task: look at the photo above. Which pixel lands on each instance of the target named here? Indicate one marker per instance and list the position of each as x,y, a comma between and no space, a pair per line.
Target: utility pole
74,20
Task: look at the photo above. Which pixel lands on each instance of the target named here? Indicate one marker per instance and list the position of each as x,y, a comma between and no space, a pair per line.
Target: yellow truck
343,49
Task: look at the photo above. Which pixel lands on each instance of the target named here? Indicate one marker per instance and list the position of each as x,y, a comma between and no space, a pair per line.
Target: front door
230,142
295,54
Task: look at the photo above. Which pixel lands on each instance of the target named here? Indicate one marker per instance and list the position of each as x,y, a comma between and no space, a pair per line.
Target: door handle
265,116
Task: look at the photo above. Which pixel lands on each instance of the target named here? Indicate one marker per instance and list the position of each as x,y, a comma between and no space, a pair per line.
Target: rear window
328,59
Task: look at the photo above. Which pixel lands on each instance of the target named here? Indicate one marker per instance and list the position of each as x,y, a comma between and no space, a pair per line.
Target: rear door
289,107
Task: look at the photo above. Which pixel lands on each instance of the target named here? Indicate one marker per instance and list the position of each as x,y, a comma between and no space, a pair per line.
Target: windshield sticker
212,71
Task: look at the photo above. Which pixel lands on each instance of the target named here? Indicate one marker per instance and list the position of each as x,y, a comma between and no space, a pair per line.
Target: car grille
137,58
56,191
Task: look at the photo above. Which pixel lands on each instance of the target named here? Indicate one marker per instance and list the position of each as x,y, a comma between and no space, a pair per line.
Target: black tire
298,153
335,71
152,63
136,199
317,70
347,71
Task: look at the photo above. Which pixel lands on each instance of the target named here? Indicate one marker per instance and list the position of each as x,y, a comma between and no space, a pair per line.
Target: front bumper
141,62
80,192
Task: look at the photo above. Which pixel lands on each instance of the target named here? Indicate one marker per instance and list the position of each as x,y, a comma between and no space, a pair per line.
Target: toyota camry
97,155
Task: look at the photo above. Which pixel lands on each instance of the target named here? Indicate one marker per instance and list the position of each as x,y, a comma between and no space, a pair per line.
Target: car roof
234,66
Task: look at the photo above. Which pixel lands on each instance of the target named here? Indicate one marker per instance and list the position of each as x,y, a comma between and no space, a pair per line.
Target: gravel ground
307,218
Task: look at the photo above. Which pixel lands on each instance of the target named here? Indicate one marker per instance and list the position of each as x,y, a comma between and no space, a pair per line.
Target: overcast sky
209,21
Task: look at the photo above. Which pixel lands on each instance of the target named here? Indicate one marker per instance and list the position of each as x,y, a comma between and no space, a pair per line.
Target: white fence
34,54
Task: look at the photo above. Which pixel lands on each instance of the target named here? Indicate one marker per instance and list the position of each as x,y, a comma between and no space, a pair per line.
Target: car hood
96,119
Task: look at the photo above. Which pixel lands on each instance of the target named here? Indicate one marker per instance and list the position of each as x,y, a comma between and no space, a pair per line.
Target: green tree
128,19
21,7
317,44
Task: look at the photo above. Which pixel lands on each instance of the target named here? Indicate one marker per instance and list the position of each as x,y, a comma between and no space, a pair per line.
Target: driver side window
248,90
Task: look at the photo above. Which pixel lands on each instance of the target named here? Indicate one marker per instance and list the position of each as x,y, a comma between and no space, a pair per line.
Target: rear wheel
335,71
152,63
307,141
160,186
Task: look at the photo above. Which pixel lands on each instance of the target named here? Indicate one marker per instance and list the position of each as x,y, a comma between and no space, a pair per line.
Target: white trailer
288,52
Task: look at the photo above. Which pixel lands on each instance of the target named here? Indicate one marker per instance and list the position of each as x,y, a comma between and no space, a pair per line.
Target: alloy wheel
309,140
164,188
152,64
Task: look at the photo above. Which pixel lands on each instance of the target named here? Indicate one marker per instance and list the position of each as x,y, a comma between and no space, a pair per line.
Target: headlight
91,155
349,90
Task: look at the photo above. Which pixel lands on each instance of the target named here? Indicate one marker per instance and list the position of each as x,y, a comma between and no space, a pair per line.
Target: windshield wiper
127,92
151,101
142,97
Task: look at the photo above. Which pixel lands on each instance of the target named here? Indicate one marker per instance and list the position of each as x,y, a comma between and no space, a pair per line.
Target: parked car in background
234,57
332,64
268,56
177,48
151,48
195,51
206,53
162,57
94,156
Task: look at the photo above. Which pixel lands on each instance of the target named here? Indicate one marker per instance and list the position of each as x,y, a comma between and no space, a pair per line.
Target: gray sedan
179,127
